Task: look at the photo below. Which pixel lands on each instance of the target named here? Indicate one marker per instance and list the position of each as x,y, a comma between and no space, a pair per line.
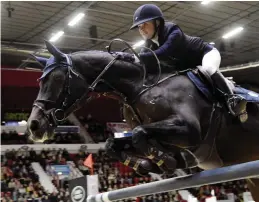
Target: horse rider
167,40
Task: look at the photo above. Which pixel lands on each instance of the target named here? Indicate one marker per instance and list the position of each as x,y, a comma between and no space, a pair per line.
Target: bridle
55,116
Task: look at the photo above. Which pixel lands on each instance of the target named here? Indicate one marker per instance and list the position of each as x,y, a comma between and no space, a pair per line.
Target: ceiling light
205,2
76,19
232,33
140,43
56,36
212,43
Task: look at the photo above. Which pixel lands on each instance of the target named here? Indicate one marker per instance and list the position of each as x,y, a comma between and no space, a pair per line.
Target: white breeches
211,61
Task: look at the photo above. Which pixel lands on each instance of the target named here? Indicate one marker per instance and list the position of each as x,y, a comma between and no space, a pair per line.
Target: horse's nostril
34,125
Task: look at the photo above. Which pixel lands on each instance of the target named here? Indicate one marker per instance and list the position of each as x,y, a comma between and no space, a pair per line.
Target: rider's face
147,29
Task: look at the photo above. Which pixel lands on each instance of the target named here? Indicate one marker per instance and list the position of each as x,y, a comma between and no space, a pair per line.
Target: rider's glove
125,56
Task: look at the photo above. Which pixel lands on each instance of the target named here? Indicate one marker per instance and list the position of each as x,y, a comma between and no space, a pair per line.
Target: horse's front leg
122,150
174,130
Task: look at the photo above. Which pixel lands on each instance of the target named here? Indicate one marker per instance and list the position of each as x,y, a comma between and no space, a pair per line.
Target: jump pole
224,174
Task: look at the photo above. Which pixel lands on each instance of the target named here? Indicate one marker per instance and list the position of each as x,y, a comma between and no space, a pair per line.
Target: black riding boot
221,83
236,105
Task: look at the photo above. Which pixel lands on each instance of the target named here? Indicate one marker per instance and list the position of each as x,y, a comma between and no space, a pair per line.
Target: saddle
206,79
235,105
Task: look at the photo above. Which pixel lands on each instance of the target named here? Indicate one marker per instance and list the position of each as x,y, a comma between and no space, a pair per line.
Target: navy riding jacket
175,45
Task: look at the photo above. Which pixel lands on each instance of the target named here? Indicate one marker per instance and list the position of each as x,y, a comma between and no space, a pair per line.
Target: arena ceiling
25,25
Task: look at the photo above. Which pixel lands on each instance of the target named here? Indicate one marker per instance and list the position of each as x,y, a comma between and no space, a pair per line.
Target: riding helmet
145,13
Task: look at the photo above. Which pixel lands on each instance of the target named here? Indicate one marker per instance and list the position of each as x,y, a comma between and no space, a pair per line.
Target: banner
60,169
67,129
118,127
92,185
12,116
21,129
121,135
10,128
78,189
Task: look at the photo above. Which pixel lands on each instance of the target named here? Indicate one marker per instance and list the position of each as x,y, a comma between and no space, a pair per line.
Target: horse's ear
42,61
54,50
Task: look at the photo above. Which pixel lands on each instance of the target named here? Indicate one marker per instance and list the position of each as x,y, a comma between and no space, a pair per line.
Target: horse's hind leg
253,185
122,150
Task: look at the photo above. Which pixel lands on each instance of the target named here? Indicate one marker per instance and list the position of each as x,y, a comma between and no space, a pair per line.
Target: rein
58,115
141,62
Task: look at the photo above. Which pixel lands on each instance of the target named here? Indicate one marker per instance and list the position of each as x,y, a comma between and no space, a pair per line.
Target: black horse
174,124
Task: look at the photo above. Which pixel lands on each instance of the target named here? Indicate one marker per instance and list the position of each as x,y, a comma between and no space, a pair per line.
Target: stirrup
231,102
239,105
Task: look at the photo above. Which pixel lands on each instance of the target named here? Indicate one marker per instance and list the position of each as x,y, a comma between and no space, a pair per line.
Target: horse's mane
106,57
151,67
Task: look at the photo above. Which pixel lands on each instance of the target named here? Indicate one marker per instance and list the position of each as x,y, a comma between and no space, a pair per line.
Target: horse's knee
139,137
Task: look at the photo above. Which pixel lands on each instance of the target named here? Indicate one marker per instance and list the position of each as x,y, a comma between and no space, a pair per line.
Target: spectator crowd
20,183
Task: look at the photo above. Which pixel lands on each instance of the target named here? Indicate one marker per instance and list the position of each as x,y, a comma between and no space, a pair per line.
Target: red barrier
19,78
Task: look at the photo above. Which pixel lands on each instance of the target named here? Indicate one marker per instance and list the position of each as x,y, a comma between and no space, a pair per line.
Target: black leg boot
155,152
221,83
141,166
164,160
236,105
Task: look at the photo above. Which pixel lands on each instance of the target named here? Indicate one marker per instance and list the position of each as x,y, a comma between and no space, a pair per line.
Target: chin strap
156,29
